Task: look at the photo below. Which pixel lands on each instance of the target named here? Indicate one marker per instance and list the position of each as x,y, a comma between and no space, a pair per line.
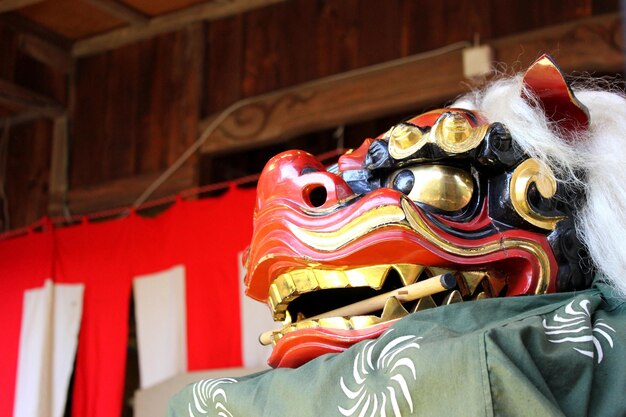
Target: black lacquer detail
431,152
463,234
404,181
378,156
363,181
360,181
501,210
498,151
575,268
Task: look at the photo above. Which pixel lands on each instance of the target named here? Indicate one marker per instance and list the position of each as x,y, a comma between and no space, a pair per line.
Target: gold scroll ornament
533,171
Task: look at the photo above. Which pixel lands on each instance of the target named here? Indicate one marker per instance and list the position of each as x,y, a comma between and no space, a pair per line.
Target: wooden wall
302,40
135,109
29,143
28,168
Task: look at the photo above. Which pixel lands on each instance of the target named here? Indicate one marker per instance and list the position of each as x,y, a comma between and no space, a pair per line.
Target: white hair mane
594,160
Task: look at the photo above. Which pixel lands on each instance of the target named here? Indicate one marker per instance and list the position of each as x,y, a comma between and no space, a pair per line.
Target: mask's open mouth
308,269
311,298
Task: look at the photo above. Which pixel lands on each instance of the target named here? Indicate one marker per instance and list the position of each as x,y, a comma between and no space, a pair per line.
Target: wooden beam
46,52
8,5
350,97
166,23
121,11
405,84
124,192
57,188
40,43
590,45
22,100
20,24
25,117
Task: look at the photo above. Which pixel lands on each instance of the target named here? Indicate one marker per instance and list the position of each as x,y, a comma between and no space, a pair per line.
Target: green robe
549,355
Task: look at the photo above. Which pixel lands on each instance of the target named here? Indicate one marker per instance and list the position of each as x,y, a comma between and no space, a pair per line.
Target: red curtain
204,235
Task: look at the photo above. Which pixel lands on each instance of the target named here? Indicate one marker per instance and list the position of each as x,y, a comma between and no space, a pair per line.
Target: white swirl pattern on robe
364,398
572,329
208,392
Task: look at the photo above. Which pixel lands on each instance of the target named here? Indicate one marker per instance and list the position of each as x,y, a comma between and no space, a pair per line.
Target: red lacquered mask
444,194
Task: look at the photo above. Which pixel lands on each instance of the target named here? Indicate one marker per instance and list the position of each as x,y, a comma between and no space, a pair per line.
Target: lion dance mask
456,204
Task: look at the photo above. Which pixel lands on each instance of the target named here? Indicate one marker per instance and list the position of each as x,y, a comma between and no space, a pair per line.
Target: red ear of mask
546,82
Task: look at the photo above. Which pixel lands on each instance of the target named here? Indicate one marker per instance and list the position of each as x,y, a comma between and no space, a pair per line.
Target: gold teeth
393,310
288,286
472,285
338,323
424,304
475,283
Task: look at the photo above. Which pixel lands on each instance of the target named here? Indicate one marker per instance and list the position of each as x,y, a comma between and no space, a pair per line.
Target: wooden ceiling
56,32
87,27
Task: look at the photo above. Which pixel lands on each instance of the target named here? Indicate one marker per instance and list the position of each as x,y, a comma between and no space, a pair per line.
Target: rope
4,150
125,211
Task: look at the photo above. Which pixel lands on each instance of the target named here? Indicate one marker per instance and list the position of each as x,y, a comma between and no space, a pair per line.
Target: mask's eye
442,187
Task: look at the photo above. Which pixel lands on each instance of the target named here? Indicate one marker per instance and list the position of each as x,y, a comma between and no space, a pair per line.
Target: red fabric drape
205,236
98,256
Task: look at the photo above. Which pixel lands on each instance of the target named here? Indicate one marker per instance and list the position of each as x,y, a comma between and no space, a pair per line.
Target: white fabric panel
68,310
255,319
48,339
31,397
161,319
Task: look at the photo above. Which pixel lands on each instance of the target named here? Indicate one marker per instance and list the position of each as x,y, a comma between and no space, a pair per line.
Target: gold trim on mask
407,217
420,227
533,171
452,132
331,241
443,187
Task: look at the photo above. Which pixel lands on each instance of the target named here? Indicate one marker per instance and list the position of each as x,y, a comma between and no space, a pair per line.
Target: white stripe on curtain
255,319
48,339
161,319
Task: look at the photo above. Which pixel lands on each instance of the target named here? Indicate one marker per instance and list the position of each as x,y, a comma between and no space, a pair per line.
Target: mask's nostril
316,195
